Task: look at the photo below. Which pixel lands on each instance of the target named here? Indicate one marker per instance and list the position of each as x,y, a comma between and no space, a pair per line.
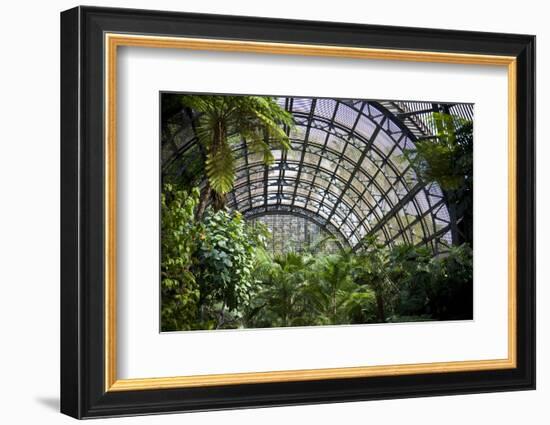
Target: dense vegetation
216,272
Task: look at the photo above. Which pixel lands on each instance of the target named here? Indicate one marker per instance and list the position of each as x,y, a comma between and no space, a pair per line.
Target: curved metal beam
342,197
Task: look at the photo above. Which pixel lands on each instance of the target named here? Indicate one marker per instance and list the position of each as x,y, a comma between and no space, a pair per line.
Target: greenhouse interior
295,211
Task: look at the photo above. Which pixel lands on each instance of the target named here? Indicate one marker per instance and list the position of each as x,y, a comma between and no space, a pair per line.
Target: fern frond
257,145
220,169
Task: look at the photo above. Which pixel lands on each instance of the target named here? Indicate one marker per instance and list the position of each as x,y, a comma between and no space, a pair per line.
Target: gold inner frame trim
113,41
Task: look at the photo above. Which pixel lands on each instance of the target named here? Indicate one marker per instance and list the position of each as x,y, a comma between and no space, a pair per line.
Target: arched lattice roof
347,173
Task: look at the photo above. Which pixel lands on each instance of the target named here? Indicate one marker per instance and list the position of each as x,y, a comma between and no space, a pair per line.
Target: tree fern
220,166
222,121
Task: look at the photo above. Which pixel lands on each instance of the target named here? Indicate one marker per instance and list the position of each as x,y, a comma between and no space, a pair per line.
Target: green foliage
447,159
220,166
226,120
334,287
217,274
409,266
371,272
410,284
225,259
207,266
281,299
179,289
432,287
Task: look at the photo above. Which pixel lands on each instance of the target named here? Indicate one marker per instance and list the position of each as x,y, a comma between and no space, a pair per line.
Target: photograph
287,211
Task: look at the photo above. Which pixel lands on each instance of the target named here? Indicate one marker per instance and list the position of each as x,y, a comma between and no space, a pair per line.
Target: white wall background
29,212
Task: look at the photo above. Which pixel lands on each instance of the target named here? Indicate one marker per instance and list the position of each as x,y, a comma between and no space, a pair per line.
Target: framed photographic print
261,212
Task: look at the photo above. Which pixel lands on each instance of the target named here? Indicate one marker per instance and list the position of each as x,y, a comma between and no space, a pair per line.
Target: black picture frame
83,392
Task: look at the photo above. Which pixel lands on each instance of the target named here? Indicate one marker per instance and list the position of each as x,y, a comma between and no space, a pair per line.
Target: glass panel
346,115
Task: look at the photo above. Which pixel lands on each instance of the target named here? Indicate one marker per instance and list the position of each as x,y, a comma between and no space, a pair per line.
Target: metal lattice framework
347,172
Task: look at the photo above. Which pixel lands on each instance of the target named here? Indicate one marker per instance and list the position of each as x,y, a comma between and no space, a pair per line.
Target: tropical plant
430,287
225,259
447,158
179,289
333,288
361,306
216,273
281,300
301,289
409,269
371,271
223,121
